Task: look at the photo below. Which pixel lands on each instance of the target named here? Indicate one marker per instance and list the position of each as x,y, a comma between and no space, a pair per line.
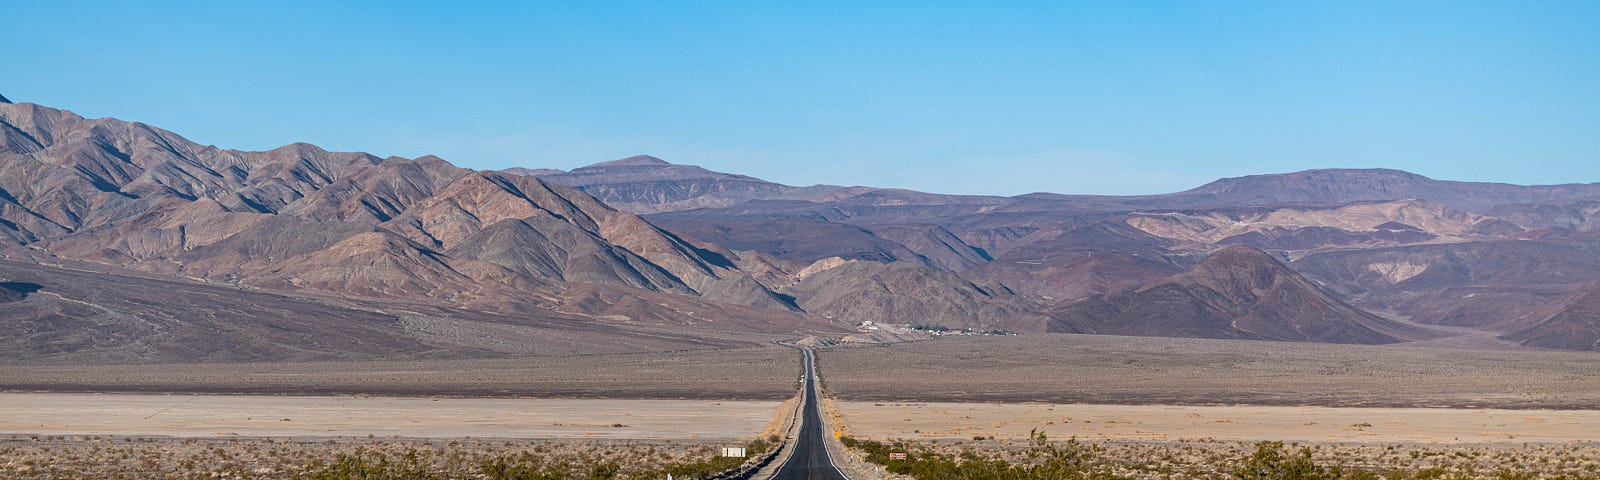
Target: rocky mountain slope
1238,292
302,219
1347,256
1370,185
908,293
1484,284
1571,323
646,184
88,313
1061,249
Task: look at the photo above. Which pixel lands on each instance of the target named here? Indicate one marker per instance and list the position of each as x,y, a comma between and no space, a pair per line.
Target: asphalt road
810,459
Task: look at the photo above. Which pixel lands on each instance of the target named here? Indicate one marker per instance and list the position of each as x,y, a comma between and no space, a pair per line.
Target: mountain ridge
1067,248
1238,292
299,217
1301,256
645,184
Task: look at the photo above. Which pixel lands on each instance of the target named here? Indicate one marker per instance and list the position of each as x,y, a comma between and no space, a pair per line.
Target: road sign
734,452
897,455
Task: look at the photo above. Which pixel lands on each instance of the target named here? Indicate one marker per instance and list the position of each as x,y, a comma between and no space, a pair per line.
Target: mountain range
640,246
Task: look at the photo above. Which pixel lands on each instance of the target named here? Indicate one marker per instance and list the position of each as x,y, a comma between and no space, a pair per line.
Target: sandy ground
215,415
1096,369
762,373
1238,423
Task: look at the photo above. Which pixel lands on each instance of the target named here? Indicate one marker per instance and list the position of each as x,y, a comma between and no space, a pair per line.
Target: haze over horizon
1012,99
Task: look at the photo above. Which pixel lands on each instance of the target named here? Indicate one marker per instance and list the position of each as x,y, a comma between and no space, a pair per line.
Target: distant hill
703,258
1571,323
905,292
1340,186
304,220
1238,292
646,184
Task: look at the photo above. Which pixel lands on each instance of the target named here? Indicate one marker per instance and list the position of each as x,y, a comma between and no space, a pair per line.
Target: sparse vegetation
764,372
1272,462
1141,370
92,457
1044,461
1043,458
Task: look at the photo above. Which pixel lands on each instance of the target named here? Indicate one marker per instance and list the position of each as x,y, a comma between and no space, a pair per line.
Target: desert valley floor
1069,385
1199,403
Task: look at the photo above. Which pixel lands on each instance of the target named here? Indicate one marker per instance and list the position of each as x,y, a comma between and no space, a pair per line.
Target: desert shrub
1272,462
519,468
359,467
703,468
604,471
758,446
1068,460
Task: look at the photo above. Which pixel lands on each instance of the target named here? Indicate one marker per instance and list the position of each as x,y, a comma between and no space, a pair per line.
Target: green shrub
505,468
359,467
1068,460
1271,462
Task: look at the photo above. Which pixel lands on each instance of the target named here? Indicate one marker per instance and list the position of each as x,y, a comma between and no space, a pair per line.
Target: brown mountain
1570,323
720,251
1238,292
1343,186
299,218
1333,215
646,184
1303,227
88,313
903,292
798,240
863,205
1071,261
935,245
1580,215
1484,284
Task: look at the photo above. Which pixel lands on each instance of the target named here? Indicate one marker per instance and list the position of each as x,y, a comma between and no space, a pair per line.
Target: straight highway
810,459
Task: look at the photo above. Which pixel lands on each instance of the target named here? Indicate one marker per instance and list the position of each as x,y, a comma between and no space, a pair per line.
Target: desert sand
1103,369
1237,423
217,415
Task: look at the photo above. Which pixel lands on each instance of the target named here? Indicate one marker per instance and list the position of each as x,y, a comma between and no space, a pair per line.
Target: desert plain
349,416
1166,423
1207,401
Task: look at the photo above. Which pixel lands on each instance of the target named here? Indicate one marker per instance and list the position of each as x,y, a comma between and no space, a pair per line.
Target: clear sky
982,97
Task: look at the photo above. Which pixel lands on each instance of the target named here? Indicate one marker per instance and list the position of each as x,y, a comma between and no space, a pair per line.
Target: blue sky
983,97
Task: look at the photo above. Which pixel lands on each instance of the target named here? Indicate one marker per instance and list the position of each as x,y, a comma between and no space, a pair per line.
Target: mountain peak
1239,266
1240,253
3,99
532,172
1236,292
633,161
1281,180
